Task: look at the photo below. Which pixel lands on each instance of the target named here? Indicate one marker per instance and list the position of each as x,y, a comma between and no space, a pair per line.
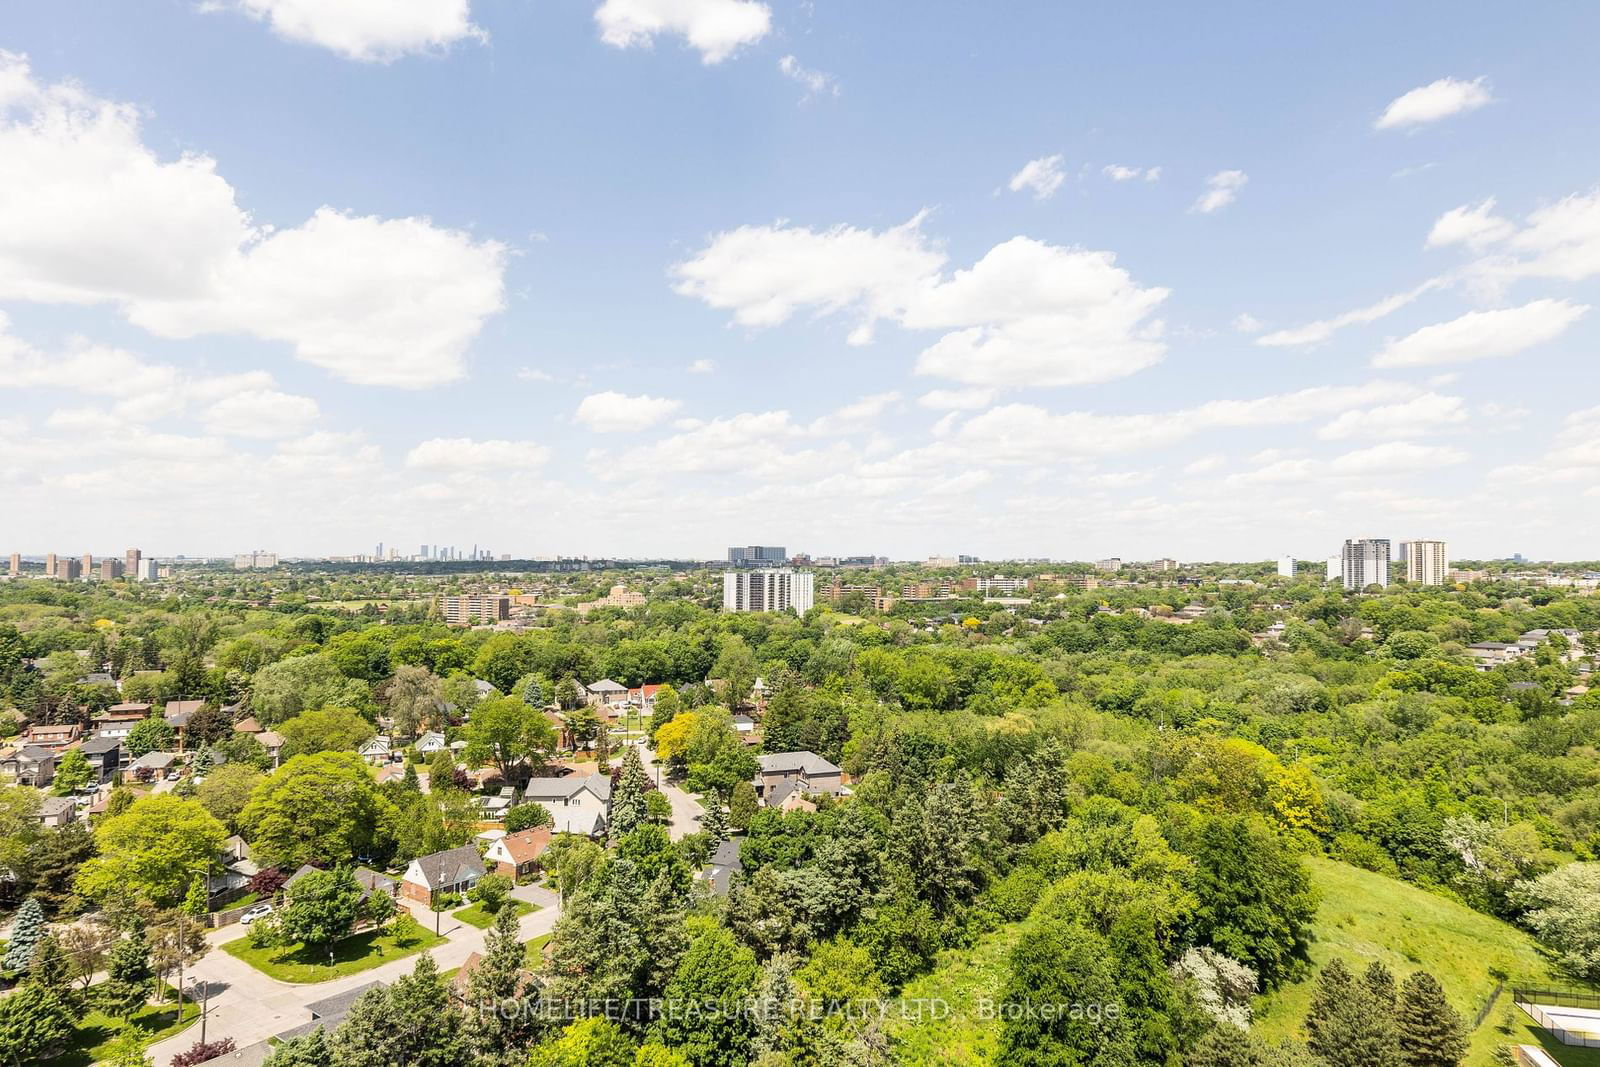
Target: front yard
360,952
474,915
93,1035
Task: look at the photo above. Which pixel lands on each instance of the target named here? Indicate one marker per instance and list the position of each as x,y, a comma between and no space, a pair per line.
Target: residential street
686,810
248,1006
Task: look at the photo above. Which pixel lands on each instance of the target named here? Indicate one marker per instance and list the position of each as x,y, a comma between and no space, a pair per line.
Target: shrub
491,892
200,1052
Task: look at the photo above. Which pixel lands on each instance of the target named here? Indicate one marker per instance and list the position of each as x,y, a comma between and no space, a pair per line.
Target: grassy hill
1363,917
1366,916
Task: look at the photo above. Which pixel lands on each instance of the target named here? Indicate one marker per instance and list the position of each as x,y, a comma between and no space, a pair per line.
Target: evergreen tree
128,970
32,1019
55,859
1431,1032
127,1050
1062,963
411,1022
51,969
628,807
307,1050
500,1022
1349,1024
25,934
719,973
714,821
410,782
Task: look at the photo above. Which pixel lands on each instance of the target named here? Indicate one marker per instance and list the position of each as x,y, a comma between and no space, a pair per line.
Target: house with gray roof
578,804
803,772
725,863
455,870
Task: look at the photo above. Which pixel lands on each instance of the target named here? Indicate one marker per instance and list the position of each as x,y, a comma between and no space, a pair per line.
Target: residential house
178,713
1487,655
234,867
119,723
644,697
327,1013
53,737
495,807
247,726
370,881
606,693
579,805
376,750
517,855
725,864
152,765
454,870
56,811
429,743
104,755
809,772
788,795
273,743
29,765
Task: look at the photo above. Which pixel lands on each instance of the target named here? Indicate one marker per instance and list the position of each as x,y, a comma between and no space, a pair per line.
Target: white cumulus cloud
1041,176
1482,335
612,412
714,28
367,30
1434,101
89,214
1473,226
1407,419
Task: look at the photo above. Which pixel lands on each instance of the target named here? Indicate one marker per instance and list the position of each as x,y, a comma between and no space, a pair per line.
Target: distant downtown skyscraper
758,556
1427,562
1365,562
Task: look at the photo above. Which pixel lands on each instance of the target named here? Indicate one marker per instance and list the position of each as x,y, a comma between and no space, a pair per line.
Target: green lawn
350,956
536,950
92,1037
1366,916
474,915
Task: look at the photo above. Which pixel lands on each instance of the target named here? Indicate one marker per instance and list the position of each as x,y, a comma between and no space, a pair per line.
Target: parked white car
260,911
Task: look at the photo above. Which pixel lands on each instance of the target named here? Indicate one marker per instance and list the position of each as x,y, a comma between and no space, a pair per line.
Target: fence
1578,1029
1488,1005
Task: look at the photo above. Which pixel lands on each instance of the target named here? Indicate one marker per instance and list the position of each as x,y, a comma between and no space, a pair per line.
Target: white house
429,743
578,805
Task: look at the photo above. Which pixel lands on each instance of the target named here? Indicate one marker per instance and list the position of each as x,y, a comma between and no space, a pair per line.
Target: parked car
259,911
172,775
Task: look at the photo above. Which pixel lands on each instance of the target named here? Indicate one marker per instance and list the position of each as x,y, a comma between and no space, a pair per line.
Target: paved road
248,1006
686,811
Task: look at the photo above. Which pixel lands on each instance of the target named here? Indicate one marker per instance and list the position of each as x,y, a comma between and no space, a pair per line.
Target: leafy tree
325,730
85,945
227,790
72,773
1431,1032
32,1019
628,807
288,687
128,1050
742,806
1058,997
323,907
658,807
322,808
736,667
583,725
153,849
411,1022
380,910
1227,1046
19,828
718,973
492,892
415,696
1561,910
527,817
26,930
591,1042
511,736
150,735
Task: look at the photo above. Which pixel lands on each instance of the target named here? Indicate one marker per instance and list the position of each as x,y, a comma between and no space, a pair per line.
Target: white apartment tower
1365,562
779,589
1427,562
1286,567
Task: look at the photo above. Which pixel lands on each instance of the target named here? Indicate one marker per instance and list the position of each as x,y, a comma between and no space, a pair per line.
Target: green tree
26,931
527,817
322,808
492,892
227,790
52,969
742,806
718,973
32,1019
288,687
54,860
1348,1023
19,828
736,667
150,735
1560,908
307,1050
1060,1000
411,1022
1431,1032
128,973
325,730
153,849
415,696
72,773
714,820
127,1049
499,1024
511,736
591,1042
323,908
628,808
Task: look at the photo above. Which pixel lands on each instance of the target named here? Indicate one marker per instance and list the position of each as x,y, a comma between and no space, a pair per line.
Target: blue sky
658,276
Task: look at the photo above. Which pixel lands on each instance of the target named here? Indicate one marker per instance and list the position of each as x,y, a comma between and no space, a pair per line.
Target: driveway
248,1006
